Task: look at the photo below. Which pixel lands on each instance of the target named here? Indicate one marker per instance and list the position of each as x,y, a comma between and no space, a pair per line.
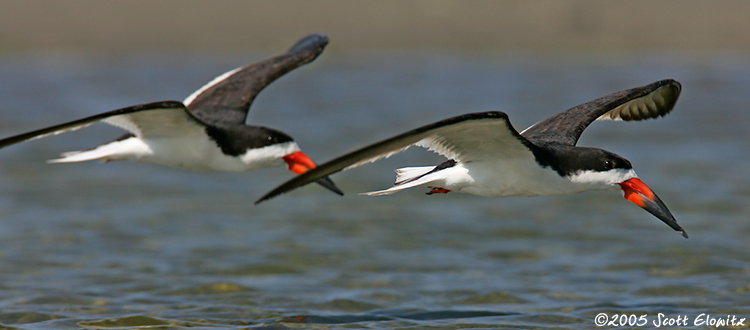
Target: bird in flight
488,157
206,131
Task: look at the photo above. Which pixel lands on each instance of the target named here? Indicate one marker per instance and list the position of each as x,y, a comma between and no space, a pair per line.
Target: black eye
609,164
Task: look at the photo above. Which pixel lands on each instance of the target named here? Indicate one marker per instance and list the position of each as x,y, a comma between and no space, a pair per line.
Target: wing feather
159,123
646,102
227,98
469,137
653,105
126,118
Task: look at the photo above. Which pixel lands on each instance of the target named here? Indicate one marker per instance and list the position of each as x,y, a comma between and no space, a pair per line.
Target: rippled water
126,245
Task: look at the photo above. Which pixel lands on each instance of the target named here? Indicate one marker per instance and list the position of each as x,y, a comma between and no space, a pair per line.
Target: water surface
137,245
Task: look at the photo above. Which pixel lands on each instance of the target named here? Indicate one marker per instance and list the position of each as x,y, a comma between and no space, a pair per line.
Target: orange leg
438,190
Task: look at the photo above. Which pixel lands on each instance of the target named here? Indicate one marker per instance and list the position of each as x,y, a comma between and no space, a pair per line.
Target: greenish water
125,245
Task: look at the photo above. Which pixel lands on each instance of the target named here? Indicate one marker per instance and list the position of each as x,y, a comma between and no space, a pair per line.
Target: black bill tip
328,184
639,194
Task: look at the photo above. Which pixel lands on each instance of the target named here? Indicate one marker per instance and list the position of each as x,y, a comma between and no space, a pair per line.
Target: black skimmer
488,157
206,131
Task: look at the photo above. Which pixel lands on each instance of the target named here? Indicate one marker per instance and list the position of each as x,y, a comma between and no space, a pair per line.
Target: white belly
204,154
515,178
197,153
487,178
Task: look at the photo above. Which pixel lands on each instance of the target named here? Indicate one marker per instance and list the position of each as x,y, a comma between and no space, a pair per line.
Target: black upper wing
227,98
465,137
650,101
170,106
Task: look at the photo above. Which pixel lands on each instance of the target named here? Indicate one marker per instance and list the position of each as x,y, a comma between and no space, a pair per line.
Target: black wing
227,98
645,102
121,117
465,138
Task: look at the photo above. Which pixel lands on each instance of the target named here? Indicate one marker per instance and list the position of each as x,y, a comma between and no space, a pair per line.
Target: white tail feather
115,150
409,173
81,156
403,177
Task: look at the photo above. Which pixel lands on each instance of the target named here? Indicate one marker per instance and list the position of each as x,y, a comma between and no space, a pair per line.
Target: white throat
269,156
606,180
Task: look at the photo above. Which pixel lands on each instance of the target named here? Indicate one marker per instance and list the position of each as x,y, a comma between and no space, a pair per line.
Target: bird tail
406,177
115,150
100,152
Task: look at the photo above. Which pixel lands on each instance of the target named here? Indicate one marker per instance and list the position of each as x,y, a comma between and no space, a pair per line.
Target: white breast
204,154
518,177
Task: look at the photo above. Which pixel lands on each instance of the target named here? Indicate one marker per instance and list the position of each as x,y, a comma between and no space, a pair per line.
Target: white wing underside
378,157
159,123
467,141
